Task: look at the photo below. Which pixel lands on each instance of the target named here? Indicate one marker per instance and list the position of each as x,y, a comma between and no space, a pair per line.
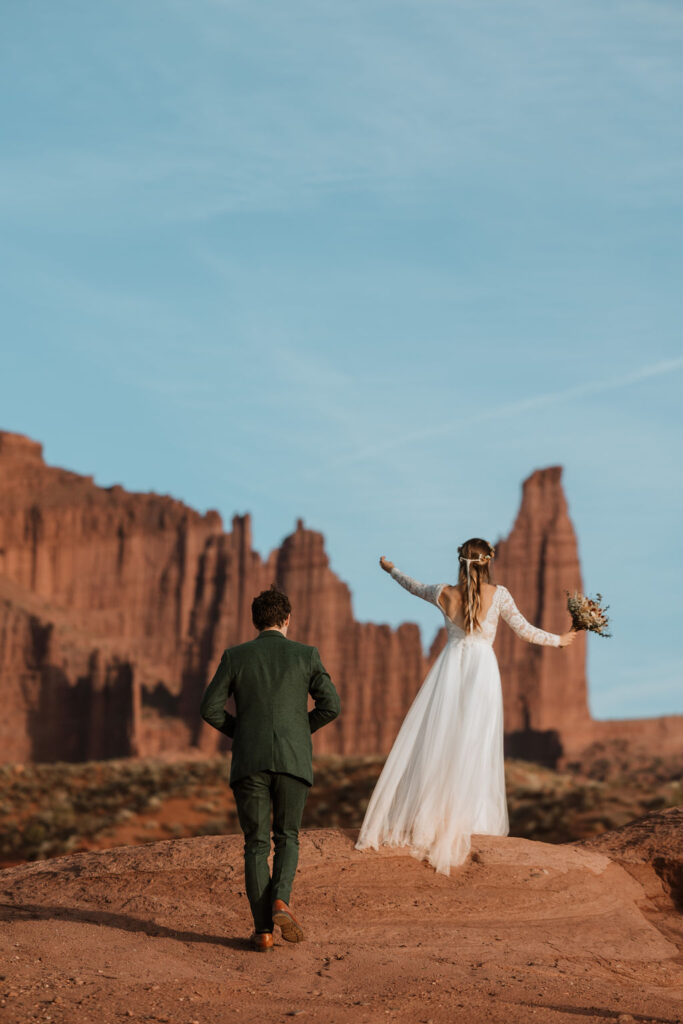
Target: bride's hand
568,638
386,564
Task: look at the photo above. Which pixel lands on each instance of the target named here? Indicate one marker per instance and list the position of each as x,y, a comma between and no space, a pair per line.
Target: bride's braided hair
474,556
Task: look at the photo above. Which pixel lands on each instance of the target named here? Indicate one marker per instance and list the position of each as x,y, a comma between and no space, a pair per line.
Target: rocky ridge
115,608
522,931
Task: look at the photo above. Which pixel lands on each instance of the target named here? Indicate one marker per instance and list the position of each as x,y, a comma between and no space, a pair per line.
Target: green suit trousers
254,796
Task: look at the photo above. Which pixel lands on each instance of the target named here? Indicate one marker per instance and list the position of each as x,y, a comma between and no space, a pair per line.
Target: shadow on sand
27,911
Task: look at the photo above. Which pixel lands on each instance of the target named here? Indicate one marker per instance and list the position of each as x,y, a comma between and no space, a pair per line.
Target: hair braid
475,555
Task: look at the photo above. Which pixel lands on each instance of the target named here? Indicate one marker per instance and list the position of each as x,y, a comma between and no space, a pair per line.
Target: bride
444,778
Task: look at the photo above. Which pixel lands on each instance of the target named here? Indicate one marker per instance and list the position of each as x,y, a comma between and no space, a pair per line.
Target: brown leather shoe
262,941
289,926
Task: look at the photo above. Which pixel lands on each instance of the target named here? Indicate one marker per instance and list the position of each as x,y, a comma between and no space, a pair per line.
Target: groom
270,678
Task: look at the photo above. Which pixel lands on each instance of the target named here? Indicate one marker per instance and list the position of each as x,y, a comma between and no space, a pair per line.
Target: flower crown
480,559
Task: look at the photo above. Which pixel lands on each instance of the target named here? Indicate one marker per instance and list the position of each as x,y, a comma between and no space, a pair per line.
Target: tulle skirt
444,778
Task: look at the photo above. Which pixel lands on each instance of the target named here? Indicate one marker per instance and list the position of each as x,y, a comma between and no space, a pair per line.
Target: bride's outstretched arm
427,591
514,618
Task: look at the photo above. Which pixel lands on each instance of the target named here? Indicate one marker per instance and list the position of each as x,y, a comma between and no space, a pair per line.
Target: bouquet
588,613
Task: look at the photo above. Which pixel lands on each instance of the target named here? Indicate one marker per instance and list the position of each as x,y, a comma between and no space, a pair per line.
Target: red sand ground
524,931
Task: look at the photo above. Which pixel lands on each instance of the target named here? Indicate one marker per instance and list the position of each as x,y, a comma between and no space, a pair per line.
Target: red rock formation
649,845
544,688
63,698
115,608
165,589
376,668
141,576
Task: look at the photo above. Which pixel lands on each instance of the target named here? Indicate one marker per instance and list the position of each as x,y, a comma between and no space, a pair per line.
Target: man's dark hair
270,608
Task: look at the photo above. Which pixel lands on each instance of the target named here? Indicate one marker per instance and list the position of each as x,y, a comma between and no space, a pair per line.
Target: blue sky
369,264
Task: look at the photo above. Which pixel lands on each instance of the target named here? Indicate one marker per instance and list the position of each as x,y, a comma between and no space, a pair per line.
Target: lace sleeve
427,591
516,621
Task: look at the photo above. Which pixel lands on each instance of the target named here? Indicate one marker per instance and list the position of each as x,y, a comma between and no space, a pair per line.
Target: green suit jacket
270,678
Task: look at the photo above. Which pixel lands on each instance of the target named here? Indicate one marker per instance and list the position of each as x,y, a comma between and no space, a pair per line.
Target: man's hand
386,564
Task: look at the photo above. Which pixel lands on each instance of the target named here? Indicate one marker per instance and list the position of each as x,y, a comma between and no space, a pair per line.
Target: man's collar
271,632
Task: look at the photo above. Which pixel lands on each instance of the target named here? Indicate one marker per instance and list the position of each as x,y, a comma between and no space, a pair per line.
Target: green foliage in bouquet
588,613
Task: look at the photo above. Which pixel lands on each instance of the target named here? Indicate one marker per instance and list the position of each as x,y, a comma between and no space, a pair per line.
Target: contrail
524,405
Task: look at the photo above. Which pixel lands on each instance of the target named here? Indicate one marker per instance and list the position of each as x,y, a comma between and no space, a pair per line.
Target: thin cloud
512,409
391,110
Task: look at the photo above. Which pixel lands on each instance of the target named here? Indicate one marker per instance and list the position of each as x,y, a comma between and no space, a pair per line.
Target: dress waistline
469,641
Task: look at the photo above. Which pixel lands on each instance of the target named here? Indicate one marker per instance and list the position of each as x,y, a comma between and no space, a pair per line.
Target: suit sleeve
212,708
323,692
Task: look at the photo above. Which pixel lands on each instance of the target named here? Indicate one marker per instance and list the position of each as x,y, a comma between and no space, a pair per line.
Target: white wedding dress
444,778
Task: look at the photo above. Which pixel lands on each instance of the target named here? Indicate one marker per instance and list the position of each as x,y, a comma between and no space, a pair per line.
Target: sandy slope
525,931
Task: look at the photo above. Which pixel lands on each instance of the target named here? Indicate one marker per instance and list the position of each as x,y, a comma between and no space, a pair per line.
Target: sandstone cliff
545,690
115,607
